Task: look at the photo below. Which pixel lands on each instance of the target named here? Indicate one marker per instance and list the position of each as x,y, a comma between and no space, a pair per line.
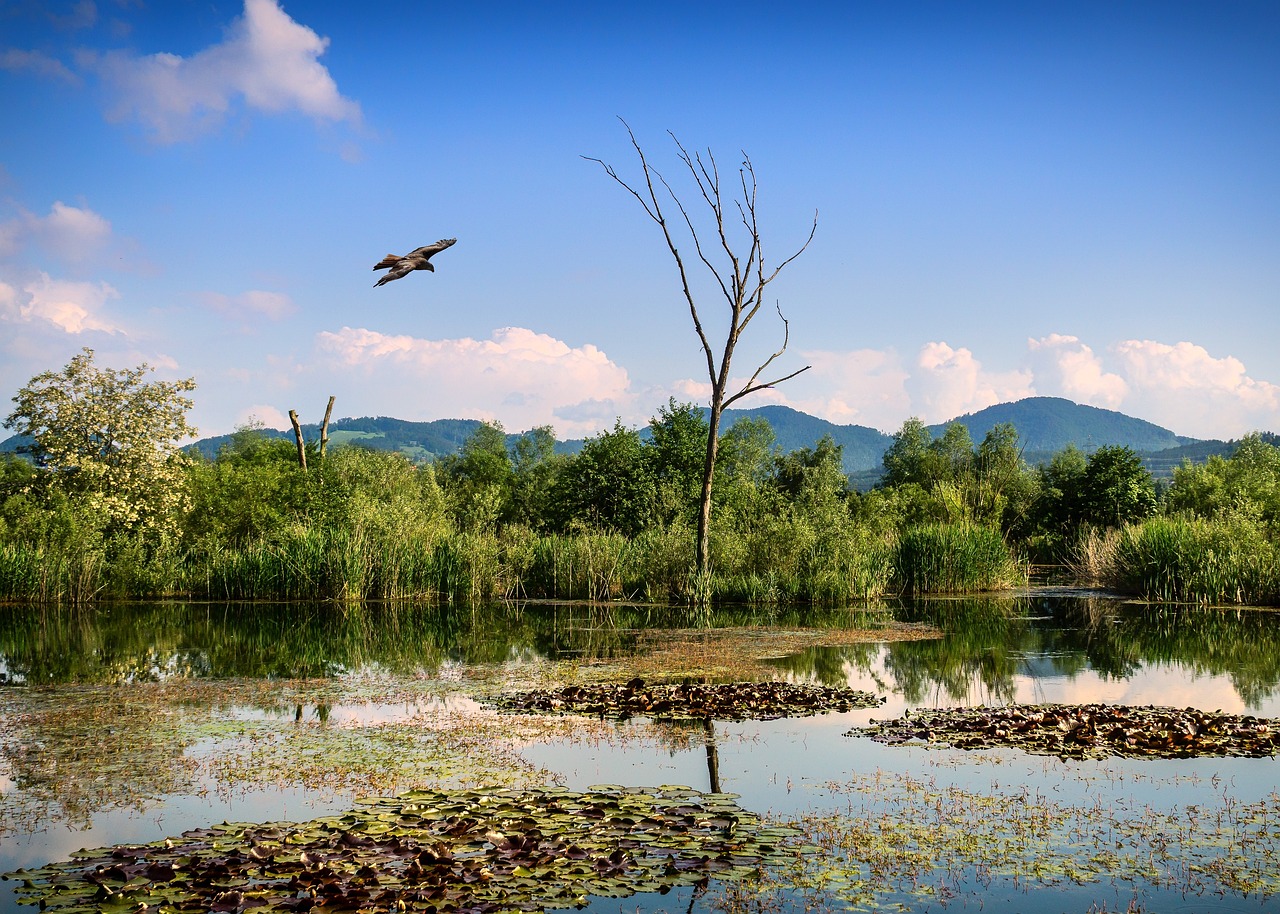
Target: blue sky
1014,199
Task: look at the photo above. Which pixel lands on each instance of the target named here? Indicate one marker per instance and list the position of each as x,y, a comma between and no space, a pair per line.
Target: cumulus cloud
267,62
72,307
1070,368
251,305
517,376
950,382
1183,386
69,233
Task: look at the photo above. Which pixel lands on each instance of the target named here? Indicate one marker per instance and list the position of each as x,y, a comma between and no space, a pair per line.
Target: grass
954,558
1185,560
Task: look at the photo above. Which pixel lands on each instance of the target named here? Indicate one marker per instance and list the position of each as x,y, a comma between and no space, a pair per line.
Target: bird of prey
419,259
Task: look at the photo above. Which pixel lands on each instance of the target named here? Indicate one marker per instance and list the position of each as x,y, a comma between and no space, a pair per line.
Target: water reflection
1000,650
991,646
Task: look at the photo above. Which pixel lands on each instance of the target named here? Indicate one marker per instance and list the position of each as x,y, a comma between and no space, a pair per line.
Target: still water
60,794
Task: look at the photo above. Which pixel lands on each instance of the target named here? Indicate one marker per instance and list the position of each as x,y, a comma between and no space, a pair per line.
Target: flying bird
419,259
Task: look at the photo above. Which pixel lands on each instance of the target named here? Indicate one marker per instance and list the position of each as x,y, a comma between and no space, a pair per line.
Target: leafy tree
1244,485
814,475
1004,487
953,456
676,450
1057,509
477,479
110,438
253,487
534,467
1116,488
910,459
607,486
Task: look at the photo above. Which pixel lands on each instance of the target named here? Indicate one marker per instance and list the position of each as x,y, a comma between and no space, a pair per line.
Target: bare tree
735,260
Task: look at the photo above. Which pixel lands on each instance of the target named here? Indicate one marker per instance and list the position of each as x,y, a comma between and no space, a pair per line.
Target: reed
1190,560
45,573
954,558
581,566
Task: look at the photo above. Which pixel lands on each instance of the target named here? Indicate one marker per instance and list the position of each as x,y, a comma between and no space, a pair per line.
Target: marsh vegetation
130,725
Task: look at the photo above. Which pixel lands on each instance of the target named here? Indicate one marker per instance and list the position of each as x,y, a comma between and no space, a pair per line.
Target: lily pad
473,852
1085,731
690,700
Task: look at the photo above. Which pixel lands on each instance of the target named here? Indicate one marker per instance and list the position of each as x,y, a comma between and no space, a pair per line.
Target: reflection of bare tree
713,756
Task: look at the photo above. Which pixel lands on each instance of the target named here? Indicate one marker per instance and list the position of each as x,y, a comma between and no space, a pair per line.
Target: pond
137,723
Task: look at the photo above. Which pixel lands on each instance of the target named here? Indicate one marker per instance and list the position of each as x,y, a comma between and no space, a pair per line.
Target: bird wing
389,261
425,252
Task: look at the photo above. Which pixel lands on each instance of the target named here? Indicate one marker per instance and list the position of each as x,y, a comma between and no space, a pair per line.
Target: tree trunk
297,436
324,427
702,554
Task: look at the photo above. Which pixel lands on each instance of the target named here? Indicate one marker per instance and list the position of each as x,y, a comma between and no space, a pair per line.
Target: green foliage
110,438
954,558
607,487
1116,488
534,467
477,480
1197,561
677,453
1245,485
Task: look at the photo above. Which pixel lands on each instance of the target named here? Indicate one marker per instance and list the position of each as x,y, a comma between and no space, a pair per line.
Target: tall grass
1181,560
43,573
954,558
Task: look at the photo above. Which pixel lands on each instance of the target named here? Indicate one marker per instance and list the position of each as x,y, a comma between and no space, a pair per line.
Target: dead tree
297,434
297,437
734,258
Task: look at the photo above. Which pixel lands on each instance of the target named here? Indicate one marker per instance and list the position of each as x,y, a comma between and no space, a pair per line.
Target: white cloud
70,233
72,307
517,376
250,305
951,382
39,63
264,414
1071,369
267,61
1182,386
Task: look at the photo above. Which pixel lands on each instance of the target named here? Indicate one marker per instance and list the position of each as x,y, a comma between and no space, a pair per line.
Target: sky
1078,200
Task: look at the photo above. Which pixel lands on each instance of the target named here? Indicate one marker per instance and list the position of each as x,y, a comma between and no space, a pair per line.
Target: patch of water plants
907,843
690,700
1085,731
469,852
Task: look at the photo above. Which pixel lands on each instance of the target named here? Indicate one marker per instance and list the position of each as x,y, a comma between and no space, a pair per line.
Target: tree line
106,504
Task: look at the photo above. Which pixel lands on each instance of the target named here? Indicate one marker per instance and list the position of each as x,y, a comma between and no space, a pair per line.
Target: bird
418,259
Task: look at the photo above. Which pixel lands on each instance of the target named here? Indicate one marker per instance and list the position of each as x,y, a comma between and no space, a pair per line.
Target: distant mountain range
1045,426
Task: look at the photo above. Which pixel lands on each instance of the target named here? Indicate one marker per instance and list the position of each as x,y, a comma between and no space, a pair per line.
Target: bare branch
751,386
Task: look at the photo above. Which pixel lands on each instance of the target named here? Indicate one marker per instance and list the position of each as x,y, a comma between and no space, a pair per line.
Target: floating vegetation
903,843
1085,731
469,852
744,652
691,700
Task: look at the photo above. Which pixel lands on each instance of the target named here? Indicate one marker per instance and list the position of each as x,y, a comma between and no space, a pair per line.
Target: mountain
1048,424
1045,426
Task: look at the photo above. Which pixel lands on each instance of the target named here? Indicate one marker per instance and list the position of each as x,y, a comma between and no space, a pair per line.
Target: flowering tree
109,438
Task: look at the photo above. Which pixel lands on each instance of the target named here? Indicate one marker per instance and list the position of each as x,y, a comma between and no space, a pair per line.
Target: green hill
1048,424
1045,426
